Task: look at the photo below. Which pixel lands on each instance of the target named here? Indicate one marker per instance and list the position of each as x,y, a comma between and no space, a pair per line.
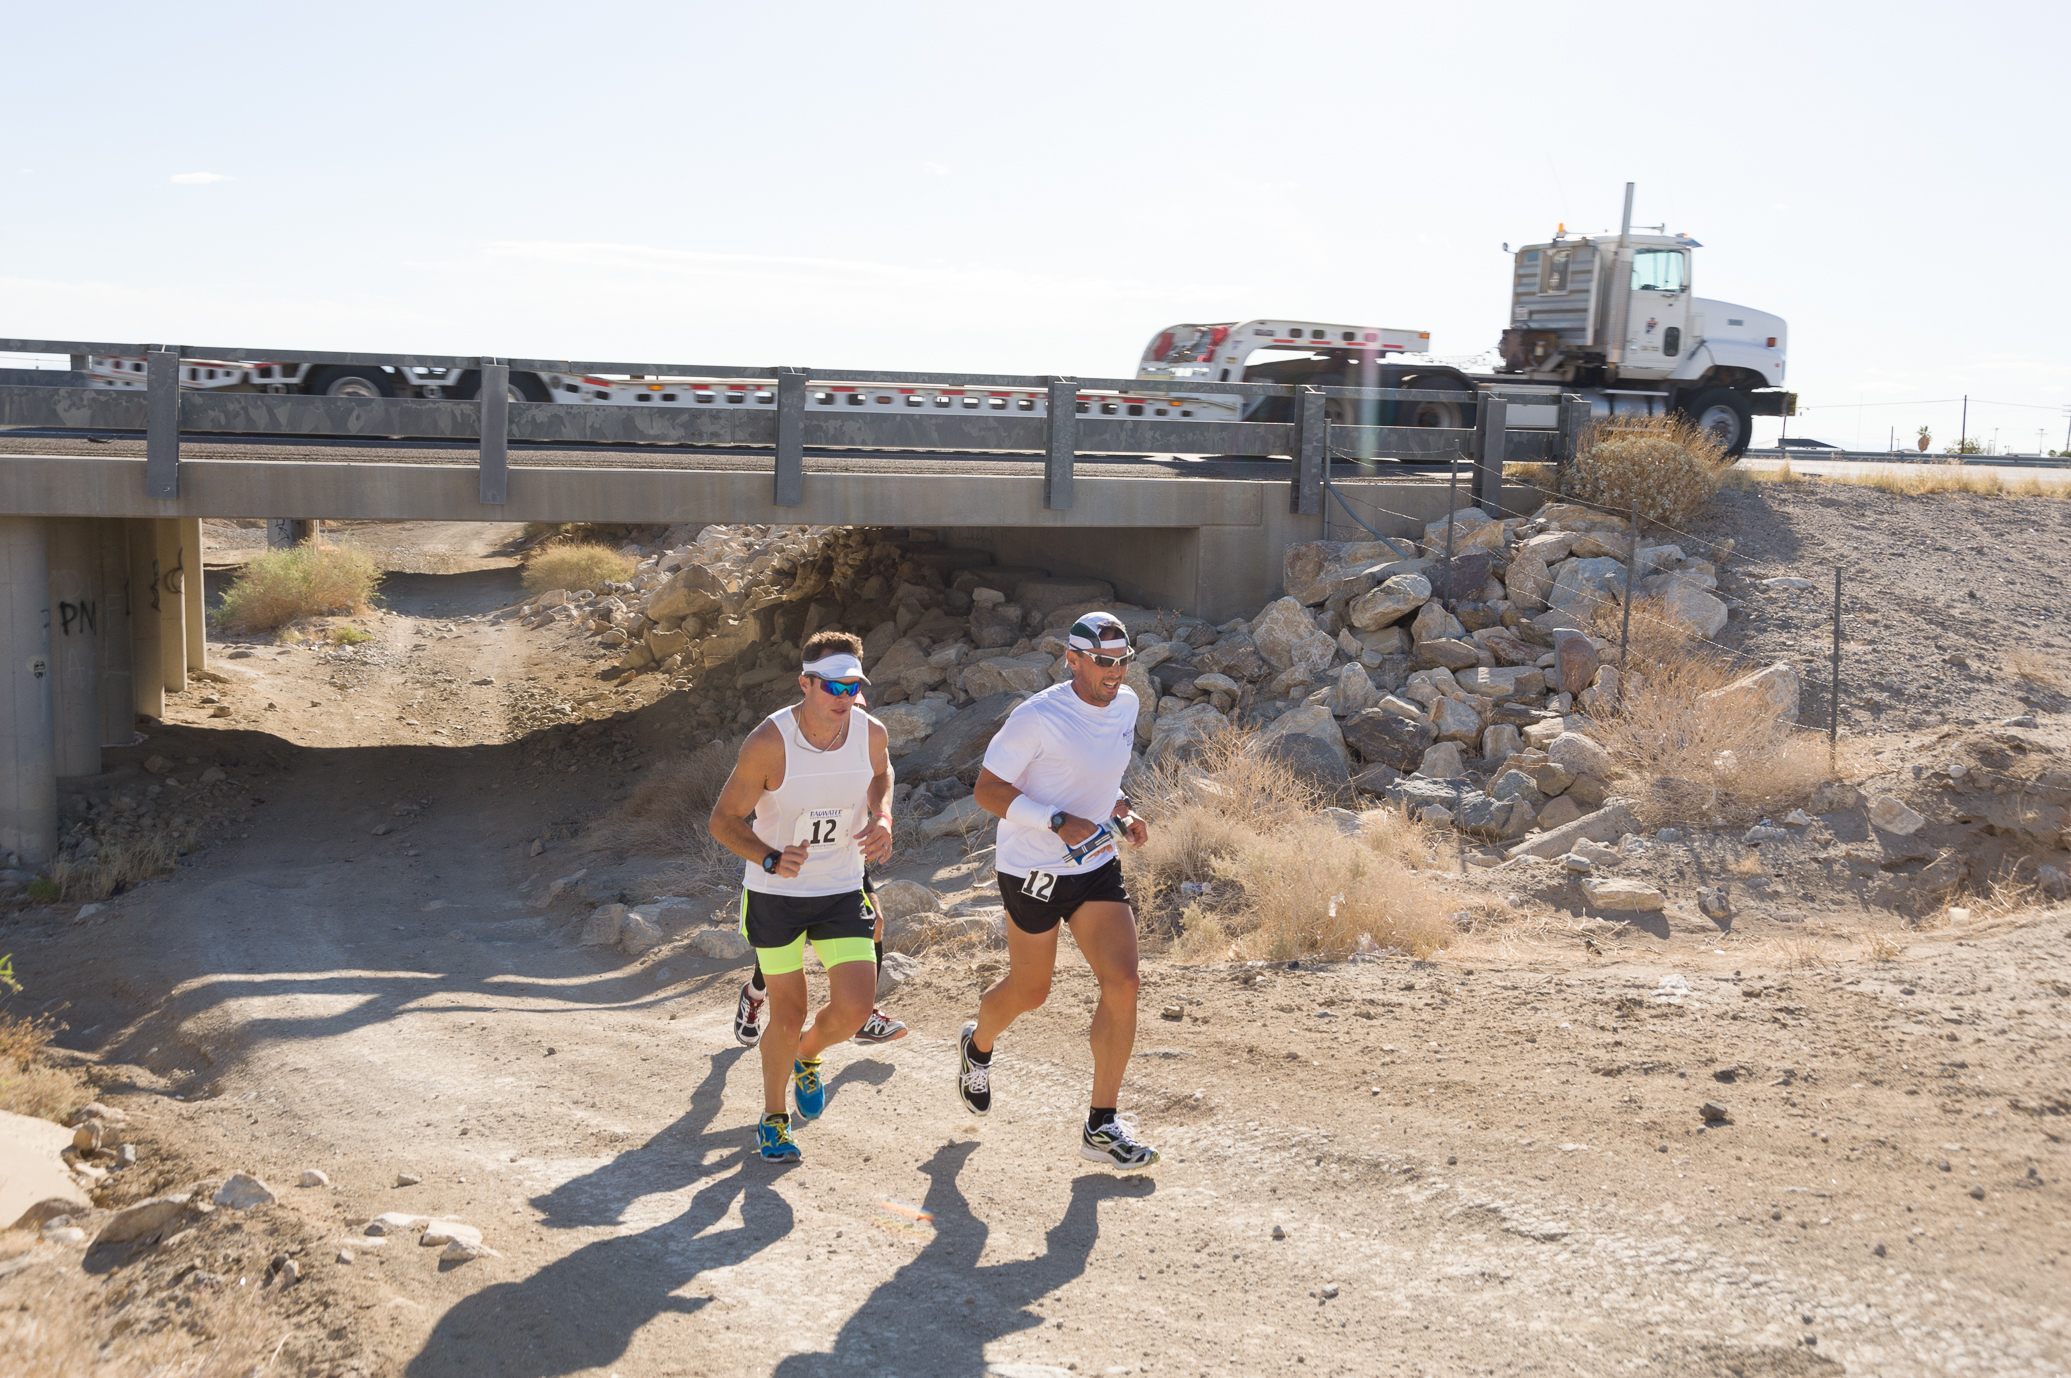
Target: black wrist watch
769,863
1057,820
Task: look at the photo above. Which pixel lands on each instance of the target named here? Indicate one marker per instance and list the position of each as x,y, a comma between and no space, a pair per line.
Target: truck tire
524,387
1725,413
350,380
1448,414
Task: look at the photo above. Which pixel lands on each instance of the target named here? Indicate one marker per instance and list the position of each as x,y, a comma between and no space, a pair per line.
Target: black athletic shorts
1039,901
779,926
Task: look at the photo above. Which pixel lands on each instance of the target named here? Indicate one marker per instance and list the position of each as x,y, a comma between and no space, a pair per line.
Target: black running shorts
779,926
1039,901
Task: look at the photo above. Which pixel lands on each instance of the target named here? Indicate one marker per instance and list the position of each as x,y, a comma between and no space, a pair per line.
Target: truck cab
1616,315
1313,352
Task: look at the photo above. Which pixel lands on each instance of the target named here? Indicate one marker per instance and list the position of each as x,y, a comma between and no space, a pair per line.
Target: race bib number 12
820,827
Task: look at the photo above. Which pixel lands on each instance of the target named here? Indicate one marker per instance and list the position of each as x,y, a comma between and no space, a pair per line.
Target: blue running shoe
775,1135
807,1088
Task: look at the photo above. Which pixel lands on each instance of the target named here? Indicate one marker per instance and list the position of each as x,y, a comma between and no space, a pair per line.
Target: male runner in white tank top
817,779
1053,775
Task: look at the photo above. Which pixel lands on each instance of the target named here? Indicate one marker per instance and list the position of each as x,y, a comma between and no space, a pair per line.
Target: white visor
840,665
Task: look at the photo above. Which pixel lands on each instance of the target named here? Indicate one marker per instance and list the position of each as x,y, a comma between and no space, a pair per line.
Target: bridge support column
28,737
172,604
146,657
194,595
118,692
75,615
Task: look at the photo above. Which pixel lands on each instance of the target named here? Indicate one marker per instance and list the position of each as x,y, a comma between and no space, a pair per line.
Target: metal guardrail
778,418
1911,457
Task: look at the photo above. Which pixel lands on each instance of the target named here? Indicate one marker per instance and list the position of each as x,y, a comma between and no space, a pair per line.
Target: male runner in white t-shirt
1053,775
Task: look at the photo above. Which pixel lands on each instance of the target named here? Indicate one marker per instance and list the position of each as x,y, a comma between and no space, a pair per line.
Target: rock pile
1462,690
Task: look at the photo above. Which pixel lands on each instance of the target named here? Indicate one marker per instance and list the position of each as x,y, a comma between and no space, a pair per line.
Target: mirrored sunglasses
841,688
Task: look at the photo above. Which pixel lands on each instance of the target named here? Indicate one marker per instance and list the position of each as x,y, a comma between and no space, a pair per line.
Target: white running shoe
747,1015
1115,1144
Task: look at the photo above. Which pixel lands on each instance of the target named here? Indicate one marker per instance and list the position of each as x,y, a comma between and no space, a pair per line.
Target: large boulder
638,934
1683,602
1314,572
694,591
1279,628
957,747
1607,824
906,907
1023,673
901,656
1767,700
1394,600
1575,661
1580,585
1567,516
907,725
1501,682
1527,582
1433,623
1453,720
145,1217
1470,529
995,624
1580,755
1354,692
1177,734
1307,738
720,944
1388,738
1235,654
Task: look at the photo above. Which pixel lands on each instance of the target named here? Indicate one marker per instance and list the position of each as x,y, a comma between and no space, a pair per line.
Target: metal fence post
162,423
1311,435
494,398
1834,694
1632,559
790,437
1060,444
1574,420
1491,444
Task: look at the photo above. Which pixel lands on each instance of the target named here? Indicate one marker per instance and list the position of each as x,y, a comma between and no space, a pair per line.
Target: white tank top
821,806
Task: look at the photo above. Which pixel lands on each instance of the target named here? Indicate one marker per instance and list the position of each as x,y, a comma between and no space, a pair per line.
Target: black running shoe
973,1079
747,1015
1116,1145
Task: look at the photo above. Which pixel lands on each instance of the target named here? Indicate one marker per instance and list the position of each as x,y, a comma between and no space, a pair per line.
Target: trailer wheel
1448,414
1724,412
351,380
524,387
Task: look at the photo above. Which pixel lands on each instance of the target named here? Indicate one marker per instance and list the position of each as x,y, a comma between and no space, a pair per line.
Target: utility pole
1963,430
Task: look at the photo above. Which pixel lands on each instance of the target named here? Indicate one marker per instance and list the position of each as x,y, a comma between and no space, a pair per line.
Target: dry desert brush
281,586
1663,465
1242,864
584,565
669,814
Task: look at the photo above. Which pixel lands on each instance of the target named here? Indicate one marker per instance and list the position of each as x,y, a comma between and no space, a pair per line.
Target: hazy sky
1039,188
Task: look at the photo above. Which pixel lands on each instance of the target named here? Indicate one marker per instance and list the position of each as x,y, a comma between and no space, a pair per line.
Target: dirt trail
1495,1163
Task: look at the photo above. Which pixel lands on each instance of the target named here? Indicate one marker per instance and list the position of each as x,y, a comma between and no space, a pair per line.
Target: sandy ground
1495,1162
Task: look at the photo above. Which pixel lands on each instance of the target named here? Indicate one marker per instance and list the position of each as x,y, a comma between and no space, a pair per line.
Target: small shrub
45,891
348,636
28,1085
115,868
1280,880
669,813
1664,465
1695,761
584,566
279,586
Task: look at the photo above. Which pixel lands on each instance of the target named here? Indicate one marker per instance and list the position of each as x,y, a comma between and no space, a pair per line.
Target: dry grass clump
1879,946
572,567
1280,880
29,1085
670,813
1950,478
115,868
2036,668
1663,465
75,1327
279,586
1706,762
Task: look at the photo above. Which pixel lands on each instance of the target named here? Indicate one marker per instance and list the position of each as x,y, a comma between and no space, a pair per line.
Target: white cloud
197,179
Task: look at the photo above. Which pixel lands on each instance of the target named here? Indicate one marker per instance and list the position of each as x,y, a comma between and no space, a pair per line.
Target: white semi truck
1612,318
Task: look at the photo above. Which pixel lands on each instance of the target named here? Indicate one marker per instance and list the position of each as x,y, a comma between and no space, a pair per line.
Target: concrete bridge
102,495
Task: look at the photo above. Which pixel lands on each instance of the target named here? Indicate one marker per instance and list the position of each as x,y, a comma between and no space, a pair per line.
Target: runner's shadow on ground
937,1314
580,1312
